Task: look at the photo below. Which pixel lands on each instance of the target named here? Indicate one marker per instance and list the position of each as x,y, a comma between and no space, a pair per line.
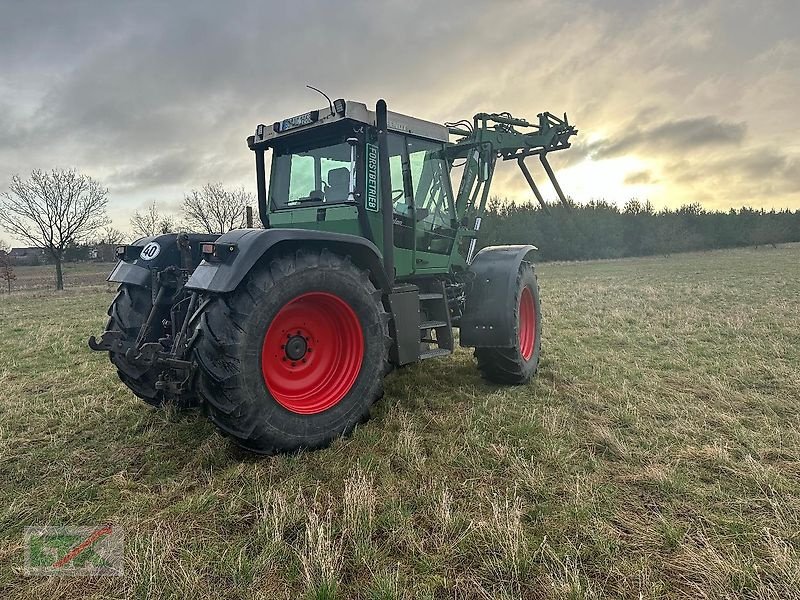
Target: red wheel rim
527,323
312,353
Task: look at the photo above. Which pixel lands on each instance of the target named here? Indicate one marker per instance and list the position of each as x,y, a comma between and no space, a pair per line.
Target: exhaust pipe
387,209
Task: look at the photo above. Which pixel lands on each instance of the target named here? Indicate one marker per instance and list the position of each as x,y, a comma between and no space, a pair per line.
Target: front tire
518,364
295,356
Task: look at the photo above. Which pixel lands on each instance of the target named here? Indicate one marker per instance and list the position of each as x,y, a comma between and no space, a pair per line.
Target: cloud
167,169
755,178
154,99
684,135
639,178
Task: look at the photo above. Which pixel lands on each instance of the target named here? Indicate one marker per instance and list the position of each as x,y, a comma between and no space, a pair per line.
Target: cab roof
267,135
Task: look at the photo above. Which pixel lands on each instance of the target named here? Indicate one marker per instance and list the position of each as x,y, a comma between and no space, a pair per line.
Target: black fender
488,319
251,244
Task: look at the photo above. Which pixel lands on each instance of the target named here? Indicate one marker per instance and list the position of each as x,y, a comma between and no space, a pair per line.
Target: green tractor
366,262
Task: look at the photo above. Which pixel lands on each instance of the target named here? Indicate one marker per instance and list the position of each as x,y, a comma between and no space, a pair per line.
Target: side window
395,146
301,177
402,218
433,197
311,176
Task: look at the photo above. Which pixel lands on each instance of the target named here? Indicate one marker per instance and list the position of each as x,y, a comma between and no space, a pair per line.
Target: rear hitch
152,354
148,355
110,341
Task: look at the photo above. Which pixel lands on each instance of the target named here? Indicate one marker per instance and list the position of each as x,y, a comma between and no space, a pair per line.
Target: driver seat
338,184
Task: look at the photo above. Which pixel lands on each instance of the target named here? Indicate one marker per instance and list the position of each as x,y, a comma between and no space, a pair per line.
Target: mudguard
488,319
155,253
251,244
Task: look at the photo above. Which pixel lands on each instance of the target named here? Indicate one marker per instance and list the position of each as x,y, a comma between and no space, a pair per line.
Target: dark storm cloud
684,135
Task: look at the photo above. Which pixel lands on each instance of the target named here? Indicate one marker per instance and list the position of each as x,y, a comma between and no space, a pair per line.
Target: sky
676,102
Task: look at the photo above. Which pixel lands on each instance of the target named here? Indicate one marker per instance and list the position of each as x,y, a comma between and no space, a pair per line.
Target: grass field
656,455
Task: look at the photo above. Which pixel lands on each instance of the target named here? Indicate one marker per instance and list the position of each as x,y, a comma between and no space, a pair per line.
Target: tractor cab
325,176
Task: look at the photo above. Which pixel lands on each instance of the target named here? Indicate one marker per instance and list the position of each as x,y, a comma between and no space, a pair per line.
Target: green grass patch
657,454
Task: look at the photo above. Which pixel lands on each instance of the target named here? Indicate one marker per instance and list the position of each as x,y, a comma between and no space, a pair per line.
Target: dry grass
656,455
76,275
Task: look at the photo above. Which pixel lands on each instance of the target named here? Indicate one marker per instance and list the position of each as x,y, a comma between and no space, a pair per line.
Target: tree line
211,209
601,229
61,211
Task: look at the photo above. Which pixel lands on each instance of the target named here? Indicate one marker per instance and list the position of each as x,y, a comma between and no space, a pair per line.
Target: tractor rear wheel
296,355
519,363
127,313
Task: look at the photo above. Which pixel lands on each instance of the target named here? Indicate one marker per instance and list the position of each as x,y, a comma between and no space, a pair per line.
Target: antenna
324,94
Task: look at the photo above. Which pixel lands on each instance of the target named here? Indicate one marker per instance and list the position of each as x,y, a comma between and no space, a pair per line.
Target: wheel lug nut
294,364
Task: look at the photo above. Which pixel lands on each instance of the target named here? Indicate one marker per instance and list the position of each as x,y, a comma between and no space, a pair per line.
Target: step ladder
436,333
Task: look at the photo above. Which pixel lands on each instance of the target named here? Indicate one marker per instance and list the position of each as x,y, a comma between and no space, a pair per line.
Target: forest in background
601,229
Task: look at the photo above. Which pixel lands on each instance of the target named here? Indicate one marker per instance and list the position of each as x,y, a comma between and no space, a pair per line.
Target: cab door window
433,197
401,198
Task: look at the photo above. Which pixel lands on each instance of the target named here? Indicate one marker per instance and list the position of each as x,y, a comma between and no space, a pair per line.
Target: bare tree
213,209
7,270
111,235
152,222
6,265
53,211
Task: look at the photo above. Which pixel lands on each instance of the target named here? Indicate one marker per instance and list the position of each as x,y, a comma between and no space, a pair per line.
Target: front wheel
519,363
296,355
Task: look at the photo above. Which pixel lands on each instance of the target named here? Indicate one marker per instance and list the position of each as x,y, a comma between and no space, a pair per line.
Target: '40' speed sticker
150,251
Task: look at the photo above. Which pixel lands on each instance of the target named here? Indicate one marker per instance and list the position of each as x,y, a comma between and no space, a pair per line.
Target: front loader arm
496,135
499,132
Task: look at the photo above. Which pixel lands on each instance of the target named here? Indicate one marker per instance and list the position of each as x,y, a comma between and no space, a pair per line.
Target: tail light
213,252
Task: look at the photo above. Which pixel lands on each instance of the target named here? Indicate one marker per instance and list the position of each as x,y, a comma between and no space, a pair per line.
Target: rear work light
127,253
217,252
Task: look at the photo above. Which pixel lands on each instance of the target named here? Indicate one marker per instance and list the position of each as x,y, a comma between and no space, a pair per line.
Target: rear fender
252,244
488,319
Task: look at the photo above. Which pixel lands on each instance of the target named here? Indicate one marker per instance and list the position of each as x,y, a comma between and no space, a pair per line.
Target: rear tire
295,356
127,313
518,364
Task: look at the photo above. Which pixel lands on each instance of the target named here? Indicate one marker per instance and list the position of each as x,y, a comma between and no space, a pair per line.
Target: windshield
314,176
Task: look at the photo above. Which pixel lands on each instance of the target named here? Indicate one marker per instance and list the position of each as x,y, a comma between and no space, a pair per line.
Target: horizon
675,103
